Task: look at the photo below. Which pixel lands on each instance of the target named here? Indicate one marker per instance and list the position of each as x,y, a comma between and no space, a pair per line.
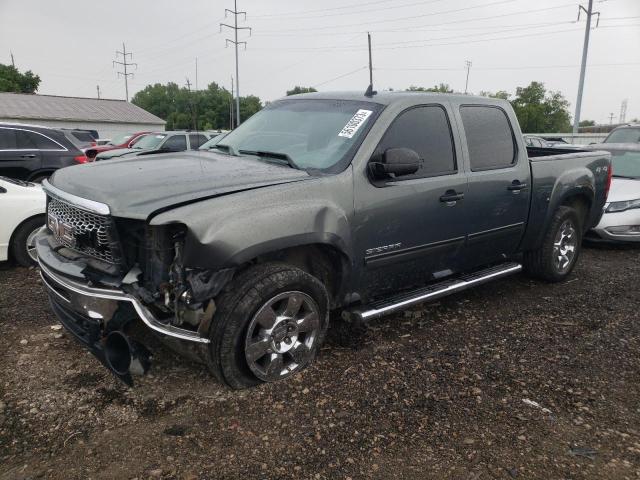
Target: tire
21,252
39,178
548,262
247,338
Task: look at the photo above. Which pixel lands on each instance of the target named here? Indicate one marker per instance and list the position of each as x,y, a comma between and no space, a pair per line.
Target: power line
340,76
322,9
125,64
510,67
235,43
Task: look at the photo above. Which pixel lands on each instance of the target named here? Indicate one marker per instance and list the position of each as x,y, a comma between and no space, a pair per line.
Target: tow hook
126,357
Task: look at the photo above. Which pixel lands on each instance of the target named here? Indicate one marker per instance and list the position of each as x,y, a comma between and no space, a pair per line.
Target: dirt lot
442,391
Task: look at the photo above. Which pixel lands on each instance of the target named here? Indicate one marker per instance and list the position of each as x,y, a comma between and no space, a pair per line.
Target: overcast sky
71,45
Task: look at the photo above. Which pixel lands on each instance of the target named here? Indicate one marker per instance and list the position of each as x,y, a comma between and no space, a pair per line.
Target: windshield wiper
274,155
624,176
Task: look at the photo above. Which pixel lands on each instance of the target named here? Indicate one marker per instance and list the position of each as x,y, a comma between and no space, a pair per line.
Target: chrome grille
83,231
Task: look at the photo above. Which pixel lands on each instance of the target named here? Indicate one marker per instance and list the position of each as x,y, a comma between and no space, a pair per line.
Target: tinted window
624,135
45,143
425,130
196,140
84,137
26,140
489,137
7,139
177,143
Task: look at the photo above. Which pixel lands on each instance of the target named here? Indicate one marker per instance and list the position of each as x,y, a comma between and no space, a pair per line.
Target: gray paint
238,208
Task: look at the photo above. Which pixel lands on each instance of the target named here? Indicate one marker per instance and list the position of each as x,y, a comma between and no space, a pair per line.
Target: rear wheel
23,246
558,254
269,325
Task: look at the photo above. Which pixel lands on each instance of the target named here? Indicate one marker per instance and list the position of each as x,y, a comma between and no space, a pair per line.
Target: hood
623,189
117,152
139,186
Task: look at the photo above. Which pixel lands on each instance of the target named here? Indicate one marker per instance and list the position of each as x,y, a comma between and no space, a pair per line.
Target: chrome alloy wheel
31,245
564,246
281,336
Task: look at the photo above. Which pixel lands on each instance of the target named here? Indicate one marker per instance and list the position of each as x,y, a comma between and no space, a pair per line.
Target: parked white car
621,219
22,209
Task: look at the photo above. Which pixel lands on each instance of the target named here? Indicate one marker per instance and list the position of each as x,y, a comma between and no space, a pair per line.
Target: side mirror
395,162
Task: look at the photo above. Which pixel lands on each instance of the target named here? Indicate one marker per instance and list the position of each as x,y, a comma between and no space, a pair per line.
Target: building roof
50,107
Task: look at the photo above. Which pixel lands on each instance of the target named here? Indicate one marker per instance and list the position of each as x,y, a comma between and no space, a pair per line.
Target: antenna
370,91
466,85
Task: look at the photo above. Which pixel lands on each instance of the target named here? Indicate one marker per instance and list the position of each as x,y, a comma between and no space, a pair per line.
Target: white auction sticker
355,123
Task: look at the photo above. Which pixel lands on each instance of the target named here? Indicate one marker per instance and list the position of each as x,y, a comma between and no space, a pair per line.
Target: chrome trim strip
83,203
497,229
143,312
456,286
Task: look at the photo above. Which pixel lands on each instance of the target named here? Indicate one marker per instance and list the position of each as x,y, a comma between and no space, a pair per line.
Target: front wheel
269,325
558,254
23,245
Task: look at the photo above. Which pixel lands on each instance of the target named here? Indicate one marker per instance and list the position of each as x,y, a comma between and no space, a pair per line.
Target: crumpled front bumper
86,310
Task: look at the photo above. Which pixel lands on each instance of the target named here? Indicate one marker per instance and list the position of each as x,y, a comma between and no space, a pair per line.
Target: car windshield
120,139
312,134
626,164
150,142
624,135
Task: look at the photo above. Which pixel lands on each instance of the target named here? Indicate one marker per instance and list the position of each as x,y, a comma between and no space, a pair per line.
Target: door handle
516,186
451,197
29,155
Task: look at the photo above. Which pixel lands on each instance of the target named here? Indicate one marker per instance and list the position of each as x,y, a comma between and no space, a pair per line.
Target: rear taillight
81,159
608,185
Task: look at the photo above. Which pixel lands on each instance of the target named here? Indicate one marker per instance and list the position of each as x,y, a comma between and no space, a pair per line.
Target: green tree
499,94
11,80
203,109
296,90
441,88
539,111
587,123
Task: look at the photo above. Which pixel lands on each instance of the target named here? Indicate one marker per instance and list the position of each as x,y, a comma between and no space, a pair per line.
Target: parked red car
121,141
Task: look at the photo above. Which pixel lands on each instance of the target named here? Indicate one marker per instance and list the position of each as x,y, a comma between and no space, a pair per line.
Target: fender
228,231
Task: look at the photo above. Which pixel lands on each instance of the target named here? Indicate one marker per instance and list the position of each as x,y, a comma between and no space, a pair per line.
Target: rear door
499,184
175,143
19,155
196,140
407,232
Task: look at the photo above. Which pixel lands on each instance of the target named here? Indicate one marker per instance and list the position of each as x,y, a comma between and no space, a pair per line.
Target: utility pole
231,106
611,117
125,64
98,90
13,63
235,42
623,111
196,73
466,85
585,48
188,84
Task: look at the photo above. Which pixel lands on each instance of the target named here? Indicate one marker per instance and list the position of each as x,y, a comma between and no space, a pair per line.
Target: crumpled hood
623,189
137,187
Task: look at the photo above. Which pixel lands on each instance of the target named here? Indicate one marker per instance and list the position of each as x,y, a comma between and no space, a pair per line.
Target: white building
109,117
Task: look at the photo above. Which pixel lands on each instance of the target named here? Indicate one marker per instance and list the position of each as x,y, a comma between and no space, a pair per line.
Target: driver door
411,229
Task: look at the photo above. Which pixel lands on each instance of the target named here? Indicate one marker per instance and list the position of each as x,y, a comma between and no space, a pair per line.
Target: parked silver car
621,219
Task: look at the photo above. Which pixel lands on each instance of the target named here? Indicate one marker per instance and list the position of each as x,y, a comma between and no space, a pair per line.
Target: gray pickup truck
319,203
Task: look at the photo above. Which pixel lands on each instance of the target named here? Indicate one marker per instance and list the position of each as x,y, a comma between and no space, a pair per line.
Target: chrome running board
434,291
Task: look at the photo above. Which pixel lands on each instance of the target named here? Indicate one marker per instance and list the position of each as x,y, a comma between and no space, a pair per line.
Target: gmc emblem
62,231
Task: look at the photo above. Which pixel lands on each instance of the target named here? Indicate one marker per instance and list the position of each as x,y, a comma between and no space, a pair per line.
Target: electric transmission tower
468,65
623,111
235,43
583,67
125,64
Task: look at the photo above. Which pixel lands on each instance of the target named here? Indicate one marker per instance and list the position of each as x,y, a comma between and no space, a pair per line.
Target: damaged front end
98,301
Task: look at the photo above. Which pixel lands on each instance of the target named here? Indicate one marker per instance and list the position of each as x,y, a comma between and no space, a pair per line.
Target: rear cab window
490,139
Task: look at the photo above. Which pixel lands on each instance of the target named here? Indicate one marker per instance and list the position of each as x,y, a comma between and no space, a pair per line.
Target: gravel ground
515,379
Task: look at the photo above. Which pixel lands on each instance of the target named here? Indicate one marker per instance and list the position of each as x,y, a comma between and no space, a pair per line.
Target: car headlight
622,206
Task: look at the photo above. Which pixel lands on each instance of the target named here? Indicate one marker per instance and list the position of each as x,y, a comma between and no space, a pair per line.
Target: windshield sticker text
355,123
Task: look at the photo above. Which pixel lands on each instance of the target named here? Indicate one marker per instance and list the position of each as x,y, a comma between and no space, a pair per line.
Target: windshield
626,164
149,142
120,139
314,134
624,135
